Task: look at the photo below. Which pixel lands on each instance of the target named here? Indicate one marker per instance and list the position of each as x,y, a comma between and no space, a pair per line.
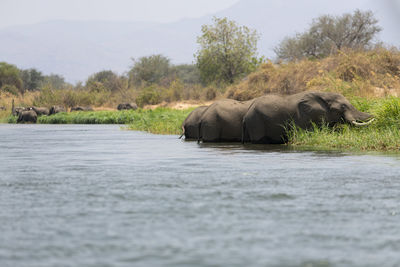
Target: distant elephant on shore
268,117
80,108
15,111
190,125
27,116
56,109
41,111
222,121
123,106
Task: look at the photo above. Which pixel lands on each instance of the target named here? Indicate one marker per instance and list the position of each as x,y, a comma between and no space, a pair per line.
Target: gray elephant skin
80,108
222,121
41,111
56,109
27,116
190,126
268,117
124,106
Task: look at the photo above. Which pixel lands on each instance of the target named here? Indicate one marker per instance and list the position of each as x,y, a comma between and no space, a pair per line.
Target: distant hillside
76,49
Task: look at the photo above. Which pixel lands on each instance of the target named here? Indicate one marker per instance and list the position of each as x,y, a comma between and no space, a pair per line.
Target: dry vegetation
374,73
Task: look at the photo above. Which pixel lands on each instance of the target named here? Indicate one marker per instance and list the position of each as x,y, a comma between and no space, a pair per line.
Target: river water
96,195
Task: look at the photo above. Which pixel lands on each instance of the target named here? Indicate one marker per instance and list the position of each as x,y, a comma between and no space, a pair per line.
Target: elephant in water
41,111
269,115
56,109
222,121
27,116
190,125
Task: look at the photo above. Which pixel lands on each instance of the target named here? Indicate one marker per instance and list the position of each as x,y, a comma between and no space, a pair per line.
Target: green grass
91,117
160,120
383,134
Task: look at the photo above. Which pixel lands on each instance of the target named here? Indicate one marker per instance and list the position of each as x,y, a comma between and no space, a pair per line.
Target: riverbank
382,135
159,120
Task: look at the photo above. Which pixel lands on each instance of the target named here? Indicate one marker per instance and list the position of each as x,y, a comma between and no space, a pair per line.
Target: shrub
7,88
148,96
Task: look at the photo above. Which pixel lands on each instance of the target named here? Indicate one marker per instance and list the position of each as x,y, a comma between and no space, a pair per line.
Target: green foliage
226,51
149,70
105,81
328,34
91,117
383,134
188,74
10,75
160,120
8,88
70,97
32,79
55,81
148,96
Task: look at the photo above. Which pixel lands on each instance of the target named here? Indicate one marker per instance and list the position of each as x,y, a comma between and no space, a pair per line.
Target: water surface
95,195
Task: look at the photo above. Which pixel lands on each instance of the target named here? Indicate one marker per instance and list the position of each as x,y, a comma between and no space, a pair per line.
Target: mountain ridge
77,49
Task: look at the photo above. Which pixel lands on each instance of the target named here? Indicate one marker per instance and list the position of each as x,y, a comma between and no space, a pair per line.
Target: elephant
17,110
190,125
27,116
127,106
56,109
269,116
80,108
41,111
222,121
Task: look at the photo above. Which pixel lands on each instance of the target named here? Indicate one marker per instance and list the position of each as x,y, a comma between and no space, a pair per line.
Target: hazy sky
16,12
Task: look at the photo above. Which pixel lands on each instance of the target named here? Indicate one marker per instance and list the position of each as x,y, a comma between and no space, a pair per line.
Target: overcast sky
16,12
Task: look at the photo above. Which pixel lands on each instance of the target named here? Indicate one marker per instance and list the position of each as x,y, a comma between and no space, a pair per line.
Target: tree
32,79
226,51
329,34
106,80
55,81
188,74
151,70
10,76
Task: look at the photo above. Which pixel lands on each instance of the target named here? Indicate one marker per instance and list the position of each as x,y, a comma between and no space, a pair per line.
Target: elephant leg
210,132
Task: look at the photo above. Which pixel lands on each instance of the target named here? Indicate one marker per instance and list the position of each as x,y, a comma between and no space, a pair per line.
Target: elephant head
331,108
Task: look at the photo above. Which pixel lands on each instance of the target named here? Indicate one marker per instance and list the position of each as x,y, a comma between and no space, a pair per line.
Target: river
96,195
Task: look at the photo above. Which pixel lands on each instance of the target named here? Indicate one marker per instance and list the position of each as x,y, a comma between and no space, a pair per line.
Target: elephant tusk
355,123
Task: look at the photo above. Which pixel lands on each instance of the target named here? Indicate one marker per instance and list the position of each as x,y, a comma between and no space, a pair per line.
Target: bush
148,96
9,89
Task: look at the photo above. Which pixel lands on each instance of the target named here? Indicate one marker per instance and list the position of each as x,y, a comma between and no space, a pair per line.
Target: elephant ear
313,108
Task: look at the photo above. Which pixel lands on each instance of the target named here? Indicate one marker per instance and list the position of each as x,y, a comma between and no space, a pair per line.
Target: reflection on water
93,195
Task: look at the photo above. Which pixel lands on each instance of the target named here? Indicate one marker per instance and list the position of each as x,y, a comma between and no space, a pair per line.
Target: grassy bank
159,120
383,134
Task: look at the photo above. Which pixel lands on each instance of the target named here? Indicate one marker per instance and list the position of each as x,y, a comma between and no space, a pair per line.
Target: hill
76,49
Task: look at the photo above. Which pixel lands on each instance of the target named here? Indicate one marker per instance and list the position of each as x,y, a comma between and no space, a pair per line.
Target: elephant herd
265,119
30,114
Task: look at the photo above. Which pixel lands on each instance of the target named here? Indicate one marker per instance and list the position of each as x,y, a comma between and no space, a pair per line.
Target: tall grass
383,134
160,121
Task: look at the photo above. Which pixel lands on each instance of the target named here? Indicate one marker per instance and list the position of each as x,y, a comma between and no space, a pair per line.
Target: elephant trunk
183,132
